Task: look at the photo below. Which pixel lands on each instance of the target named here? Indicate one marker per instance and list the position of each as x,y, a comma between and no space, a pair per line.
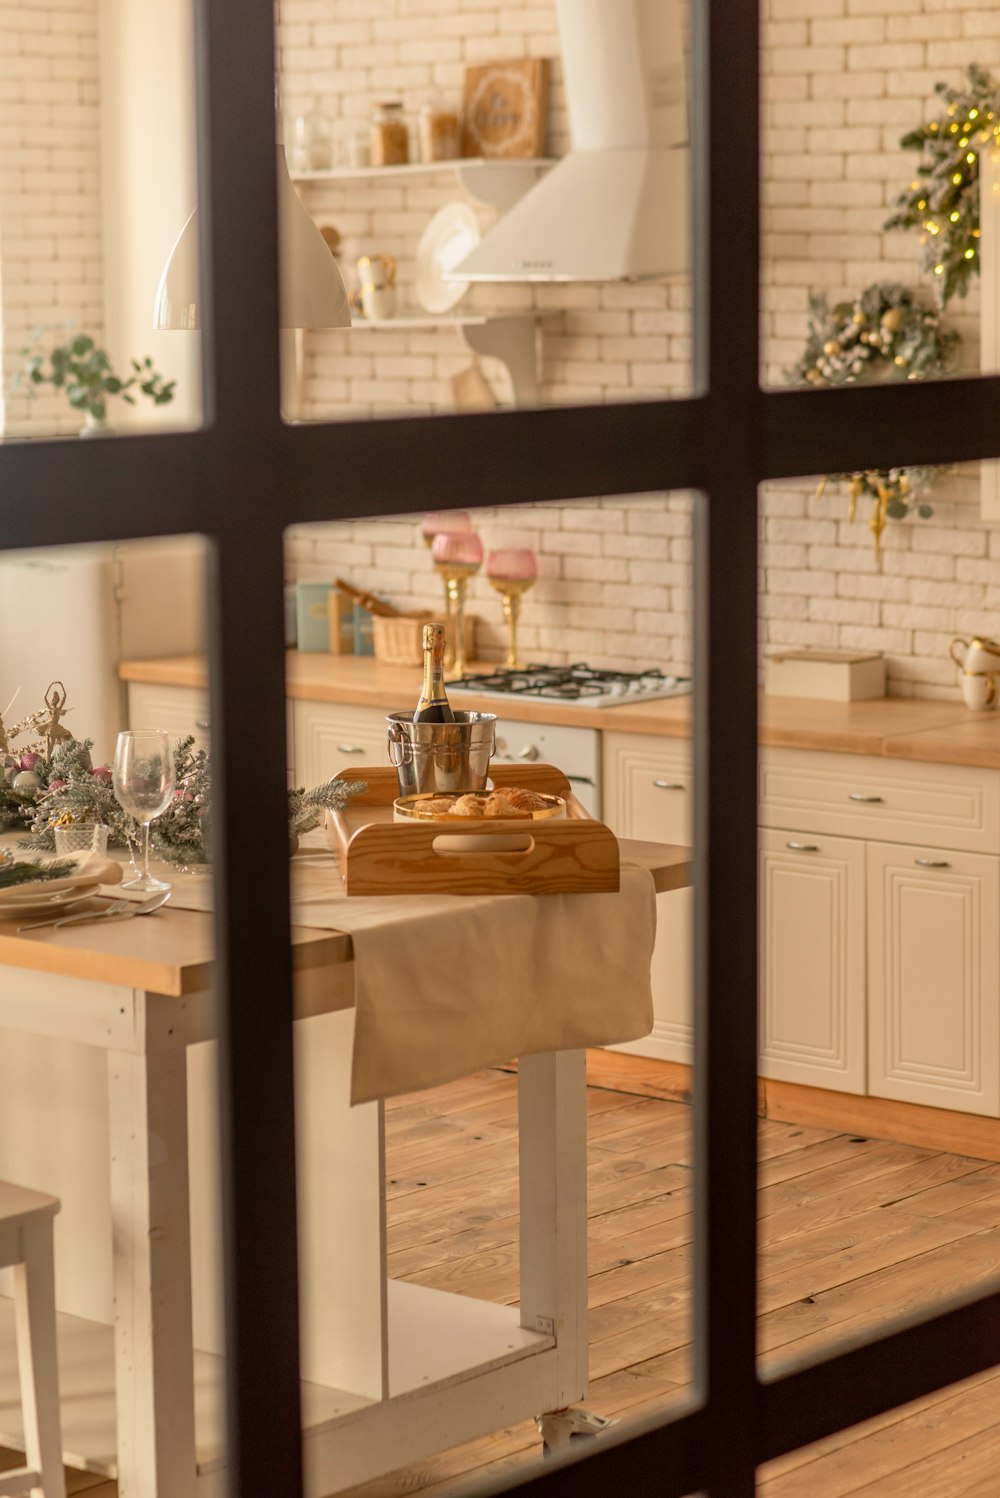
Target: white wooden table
391,1371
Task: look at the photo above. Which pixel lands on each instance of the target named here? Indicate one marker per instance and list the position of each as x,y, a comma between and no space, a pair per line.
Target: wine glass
143,778
512,572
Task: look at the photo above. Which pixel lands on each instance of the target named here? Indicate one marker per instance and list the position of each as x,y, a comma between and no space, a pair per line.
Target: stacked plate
46,895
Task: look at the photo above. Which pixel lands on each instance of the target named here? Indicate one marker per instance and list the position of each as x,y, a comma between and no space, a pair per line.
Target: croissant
467,806
524,800
500,805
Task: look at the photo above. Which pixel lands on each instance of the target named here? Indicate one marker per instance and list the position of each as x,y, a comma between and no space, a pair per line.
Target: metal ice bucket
442,756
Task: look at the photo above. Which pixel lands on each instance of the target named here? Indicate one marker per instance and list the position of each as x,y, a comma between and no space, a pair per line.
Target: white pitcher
977,656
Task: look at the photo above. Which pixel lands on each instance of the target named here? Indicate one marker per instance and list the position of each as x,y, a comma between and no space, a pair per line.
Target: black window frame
245,476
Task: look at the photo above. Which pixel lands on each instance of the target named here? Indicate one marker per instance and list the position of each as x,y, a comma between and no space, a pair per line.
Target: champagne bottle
433,706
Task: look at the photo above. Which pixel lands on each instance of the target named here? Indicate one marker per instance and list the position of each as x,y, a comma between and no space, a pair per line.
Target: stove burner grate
568,683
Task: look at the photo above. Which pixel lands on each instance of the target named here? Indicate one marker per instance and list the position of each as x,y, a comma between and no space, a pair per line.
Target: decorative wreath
885,334
942,202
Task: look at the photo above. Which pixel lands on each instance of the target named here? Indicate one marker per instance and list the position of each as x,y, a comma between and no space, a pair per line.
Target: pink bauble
103,772
57,785
29,760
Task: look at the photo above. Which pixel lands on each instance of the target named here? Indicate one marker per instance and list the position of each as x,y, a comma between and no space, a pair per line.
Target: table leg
154,1373
552,1127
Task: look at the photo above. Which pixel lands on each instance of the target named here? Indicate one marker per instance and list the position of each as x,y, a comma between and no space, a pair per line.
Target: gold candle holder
445,523
457,557
511,573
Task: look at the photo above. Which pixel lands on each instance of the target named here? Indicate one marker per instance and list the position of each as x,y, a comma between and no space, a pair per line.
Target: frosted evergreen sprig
942,201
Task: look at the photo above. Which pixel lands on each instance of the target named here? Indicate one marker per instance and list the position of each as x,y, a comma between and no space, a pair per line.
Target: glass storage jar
389,135
312,141
440,132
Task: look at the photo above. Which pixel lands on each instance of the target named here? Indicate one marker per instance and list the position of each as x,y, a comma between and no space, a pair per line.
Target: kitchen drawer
853,795
647,787
332,736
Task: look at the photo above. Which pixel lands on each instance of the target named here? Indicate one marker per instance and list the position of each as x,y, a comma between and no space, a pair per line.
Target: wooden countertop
900,728
172,952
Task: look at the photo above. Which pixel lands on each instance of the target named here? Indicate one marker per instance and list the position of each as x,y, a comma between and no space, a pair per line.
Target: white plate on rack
451,234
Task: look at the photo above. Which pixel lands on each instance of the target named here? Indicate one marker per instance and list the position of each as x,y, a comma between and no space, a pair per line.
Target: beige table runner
446,984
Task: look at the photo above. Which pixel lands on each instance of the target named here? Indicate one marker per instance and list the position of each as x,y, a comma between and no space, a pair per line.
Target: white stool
26,1245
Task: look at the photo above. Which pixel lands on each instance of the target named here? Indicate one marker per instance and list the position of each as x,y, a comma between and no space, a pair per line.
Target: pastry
435,806
498,804
467,806
524,800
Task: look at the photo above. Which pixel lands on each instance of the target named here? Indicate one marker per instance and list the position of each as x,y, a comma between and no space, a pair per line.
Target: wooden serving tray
381,857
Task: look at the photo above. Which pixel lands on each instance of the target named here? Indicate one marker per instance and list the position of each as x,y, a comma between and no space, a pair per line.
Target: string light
969,254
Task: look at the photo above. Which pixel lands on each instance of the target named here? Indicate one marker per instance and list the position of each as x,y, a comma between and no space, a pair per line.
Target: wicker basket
399,640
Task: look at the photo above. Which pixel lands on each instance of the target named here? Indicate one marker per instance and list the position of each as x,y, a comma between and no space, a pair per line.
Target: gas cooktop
575,684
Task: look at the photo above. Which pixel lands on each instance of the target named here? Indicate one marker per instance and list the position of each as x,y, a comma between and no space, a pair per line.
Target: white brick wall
50,243
843,80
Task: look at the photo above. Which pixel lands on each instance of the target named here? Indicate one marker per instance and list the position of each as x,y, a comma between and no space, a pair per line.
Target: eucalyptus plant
85,373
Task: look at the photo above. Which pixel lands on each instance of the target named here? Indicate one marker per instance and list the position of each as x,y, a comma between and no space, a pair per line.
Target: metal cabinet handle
350,749
860,796
668,785
803,847
932,863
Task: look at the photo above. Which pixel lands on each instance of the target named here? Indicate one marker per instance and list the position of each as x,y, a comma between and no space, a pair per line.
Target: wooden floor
853,1231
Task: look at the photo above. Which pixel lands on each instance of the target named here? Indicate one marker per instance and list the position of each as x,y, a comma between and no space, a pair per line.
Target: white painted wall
148,189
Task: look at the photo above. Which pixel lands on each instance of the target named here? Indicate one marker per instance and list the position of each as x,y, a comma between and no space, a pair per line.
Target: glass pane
98,180
95,1112
611,590
419,139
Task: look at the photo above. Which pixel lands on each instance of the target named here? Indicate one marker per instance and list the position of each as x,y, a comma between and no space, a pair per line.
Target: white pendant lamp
312,292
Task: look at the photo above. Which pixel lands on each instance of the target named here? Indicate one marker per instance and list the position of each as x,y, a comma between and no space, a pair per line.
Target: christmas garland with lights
885,334
942,202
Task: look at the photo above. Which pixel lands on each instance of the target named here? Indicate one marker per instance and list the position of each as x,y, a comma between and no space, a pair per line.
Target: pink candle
515,565
450,521
457,548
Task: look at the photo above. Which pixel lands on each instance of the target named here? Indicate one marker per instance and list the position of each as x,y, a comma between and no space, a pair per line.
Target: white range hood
616,207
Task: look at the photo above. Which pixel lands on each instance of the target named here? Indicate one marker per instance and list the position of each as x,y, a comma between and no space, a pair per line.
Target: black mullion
66,492
879,426
393,466
725,47
861,1381
242,499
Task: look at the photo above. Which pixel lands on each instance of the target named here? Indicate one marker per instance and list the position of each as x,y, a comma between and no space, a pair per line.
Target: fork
124,909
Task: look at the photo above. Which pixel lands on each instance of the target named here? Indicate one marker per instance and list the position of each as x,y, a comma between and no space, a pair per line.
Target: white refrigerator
71,614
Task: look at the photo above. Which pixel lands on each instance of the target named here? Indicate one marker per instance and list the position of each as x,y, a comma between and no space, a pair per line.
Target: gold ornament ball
858,318
892,320
831,348
813,375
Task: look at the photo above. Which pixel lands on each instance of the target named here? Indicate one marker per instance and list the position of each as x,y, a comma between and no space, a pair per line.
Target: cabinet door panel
812,955
647,794
330,737
934,963
178,711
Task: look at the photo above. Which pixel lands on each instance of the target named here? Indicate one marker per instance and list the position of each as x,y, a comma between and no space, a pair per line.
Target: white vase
95,426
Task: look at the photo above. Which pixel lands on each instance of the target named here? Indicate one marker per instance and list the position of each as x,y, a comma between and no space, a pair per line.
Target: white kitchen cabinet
647,794
334,736
934,977
812,959
176,710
